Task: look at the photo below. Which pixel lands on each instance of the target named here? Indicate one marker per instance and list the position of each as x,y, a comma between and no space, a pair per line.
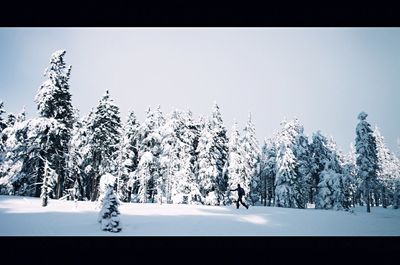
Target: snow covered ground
24,216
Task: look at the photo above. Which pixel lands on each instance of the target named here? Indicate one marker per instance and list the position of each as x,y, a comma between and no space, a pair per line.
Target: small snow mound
107,180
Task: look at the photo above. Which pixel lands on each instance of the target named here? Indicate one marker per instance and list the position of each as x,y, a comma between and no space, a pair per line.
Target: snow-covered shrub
109,213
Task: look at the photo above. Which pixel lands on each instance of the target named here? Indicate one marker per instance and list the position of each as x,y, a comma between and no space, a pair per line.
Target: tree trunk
265,191
60,184
360,198
367,192
376,198
396,197
129,194
384,203
93,195
37,186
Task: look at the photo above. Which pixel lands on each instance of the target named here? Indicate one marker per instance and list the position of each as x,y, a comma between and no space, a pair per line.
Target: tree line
176,158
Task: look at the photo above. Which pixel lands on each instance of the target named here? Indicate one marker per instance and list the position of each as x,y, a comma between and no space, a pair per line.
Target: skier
240,191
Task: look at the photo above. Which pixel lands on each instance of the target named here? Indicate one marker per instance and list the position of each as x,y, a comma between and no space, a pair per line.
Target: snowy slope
21,216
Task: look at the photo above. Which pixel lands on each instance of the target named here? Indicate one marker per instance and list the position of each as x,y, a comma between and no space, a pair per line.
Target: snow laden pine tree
29,144
147,173
251,155
285,191
212,156
236,164
109,213
75,160
189,135
54,101
81,156
168,158
288,183
350,175
367,160
303,155
320,155
220,152
105,134
207,167
387,170
331,192
346,181
186,187
268,171
179,183
10,163
128,157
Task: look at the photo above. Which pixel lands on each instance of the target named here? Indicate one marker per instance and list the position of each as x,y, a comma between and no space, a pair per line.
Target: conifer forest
175,158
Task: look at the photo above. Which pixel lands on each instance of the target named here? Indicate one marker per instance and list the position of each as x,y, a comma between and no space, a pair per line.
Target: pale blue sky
323,76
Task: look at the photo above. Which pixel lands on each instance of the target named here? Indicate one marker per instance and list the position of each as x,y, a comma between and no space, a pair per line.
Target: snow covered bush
109,213
107,180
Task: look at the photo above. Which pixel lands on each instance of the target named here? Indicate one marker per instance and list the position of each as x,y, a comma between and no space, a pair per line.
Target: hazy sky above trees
323,76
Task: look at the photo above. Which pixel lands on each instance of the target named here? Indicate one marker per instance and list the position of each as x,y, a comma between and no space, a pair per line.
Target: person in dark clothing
240,191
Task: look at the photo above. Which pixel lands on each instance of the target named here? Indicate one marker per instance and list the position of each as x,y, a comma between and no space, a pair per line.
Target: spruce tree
207,167
179,183
385,172
105,133
319,156
367,160
251,154
235,163
81,155
331,192
220,153
350,175
189,141
285,191
54,101
10,162
168,157
149,141
109,213
303,155
288,183
128,157
388,171
29,144
268,171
